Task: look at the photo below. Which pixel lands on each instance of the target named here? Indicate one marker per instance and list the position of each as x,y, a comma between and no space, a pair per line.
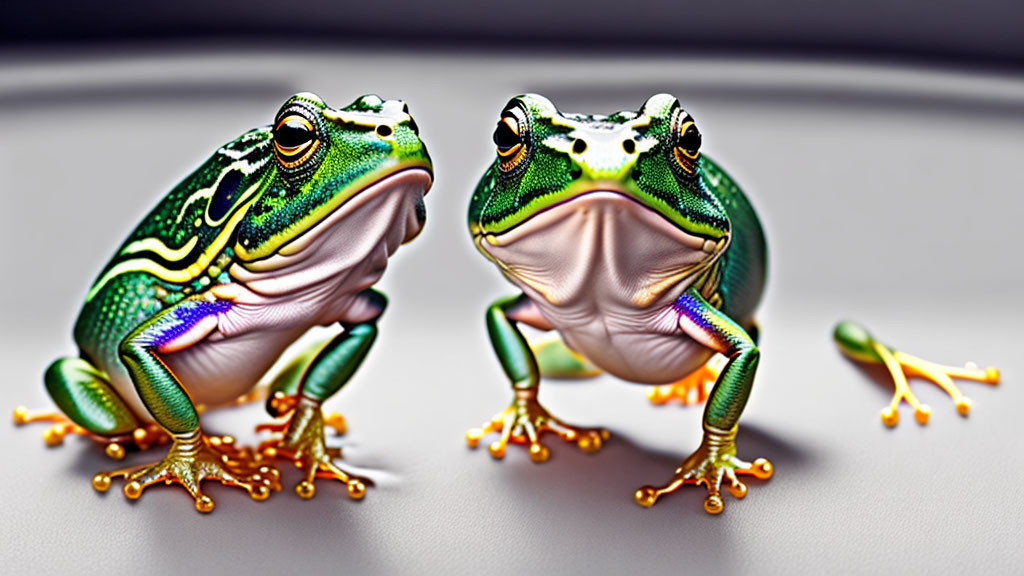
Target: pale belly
604,271
315,282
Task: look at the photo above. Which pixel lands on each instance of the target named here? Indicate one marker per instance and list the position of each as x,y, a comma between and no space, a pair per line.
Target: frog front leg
715,461
526,419
301,390
192,457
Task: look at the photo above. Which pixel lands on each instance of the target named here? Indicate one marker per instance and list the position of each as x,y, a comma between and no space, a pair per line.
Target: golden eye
687,146
510,136
295,140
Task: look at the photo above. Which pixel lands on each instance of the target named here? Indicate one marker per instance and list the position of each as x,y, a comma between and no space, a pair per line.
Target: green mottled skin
142,292
547,158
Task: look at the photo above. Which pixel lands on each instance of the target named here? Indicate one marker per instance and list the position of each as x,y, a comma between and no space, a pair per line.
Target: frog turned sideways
640,252
282,229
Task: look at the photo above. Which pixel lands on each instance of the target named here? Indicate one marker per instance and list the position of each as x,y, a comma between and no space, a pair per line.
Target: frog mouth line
655,218
296,249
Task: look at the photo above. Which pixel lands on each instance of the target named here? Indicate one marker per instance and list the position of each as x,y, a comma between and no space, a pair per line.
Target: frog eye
295,140
687,144
511,138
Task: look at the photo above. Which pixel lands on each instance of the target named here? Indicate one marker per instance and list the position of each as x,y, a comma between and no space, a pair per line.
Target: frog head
313,160
545,158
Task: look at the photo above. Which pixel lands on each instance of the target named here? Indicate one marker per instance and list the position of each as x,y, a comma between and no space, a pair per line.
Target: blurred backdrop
969,32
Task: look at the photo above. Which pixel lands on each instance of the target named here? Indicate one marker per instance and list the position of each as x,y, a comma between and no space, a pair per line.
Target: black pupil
690,141
504,137
292,133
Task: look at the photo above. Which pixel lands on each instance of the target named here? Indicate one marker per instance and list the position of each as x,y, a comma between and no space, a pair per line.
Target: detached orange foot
692,389
855,342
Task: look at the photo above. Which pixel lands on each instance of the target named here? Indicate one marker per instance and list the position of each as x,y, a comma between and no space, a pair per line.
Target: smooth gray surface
889,195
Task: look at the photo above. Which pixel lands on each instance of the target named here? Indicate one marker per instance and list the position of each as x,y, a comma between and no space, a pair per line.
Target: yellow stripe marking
176,276
158,246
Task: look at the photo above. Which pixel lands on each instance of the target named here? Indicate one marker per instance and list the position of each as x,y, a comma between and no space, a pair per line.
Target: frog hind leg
300,389
857,343
89,406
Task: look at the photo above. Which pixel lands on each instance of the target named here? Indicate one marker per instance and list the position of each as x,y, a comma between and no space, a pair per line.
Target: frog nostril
579,146
629,145
383,130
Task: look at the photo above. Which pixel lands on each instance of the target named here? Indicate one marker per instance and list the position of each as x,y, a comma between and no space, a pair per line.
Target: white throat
600,247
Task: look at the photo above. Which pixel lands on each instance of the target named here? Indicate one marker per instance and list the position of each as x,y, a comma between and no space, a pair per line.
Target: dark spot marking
226,195
383,130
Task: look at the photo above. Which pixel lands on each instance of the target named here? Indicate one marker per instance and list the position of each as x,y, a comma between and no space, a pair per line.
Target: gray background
891,195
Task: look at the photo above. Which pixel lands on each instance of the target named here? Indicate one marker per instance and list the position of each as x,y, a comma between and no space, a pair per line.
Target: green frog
284,228
644,257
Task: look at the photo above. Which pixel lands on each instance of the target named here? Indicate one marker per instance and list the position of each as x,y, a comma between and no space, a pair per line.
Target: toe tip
763,469
356,489
204,504
646,496
259,492
132,490
890,417
497,450
305,490
922,414
713,504
101,482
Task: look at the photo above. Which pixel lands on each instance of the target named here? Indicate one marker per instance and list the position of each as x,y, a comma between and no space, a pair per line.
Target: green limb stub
856,342
85,396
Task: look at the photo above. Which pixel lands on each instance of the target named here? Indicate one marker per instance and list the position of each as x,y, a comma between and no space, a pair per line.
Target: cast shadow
624,464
